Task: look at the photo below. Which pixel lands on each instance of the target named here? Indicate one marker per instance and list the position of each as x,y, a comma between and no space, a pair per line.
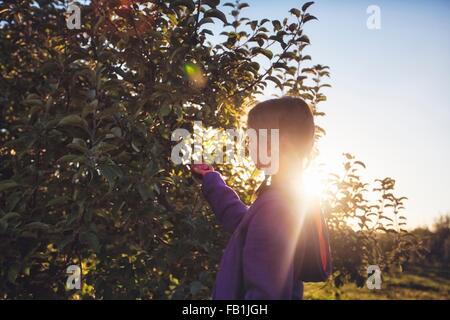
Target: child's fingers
201,168
196,170
206,168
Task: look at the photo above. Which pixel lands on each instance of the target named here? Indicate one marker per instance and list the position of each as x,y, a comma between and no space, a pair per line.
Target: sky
390,100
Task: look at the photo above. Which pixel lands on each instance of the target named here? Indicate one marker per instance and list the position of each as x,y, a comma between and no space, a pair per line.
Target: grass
414,284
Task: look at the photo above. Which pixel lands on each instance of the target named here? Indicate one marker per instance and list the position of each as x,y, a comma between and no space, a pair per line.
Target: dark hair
292,116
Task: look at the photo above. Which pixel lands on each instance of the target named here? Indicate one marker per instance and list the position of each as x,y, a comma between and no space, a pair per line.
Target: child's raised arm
225,203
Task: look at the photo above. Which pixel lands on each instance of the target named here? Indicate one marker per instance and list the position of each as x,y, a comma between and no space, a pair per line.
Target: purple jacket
270,253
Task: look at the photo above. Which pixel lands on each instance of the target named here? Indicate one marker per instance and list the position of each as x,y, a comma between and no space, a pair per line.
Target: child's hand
201,169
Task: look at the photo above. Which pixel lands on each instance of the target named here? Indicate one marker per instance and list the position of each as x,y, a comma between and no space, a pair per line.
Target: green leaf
110,172
58,201
116,131
13,272
33,101
265,52
275,80
70,158
144,191
201,22
243,5
7,184
36,226
295,12
103,147
385,217
211,3
253,24
78,144
196,287
307,17
303,38
10,216
290,55
276,25
307,5
12,200
187,3
360,163
109,112
165,110
215,13
280,65
62,243
73,120
207,31
135,147
91,240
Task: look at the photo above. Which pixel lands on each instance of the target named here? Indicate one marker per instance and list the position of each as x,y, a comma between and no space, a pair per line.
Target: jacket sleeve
269,254
225,203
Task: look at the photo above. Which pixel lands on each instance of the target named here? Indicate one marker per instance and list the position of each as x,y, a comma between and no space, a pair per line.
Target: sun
313,183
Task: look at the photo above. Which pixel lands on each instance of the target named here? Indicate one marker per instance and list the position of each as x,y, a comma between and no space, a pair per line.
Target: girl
279,241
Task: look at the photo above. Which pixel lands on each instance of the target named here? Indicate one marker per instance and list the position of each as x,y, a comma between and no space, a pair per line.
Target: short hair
291,115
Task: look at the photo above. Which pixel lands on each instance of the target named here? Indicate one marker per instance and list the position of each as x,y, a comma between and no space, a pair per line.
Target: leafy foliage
86,124
367,225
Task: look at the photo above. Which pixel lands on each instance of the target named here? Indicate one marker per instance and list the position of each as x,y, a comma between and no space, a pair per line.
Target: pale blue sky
390,101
